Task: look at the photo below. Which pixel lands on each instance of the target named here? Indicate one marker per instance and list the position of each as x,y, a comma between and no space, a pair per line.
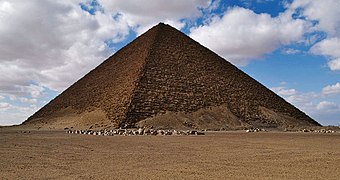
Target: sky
291,47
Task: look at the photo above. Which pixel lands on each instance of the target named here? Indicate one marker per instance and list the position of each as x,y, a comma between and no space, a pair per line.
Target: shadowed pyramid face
165,79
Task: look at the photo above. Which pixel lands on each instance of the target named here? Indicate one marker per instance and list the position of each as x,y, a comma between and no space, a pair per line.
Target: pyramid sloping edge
181,75
131,86
107,89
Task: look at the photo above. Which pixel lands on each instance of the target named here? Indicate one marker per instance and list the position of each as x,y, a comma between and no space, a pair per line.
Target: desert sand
216,155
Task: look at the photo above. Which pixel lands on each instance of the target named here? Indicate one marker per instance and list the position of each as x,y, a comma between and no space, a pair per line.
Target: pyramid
165,79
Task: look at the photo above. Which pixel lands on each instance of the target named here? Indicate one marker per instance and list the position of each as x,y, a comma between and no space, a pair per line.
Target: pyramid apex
162,24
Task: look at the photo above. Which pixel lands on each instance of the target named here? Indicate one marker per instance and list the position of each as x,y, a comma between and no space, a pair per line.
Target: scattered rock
317,131
256,130
134,132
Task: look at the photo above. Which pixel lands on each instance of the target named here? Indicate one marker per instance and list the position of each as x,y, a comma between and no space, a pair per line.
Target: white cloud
330,48
332,89
290,51
283,91
241,35
4,106
48,44
17,109
54,43
325,12
301,100
11,114
51,44
334,64
214,5
142,15
317,105
34,90
46,41
13,75
328,106
28,100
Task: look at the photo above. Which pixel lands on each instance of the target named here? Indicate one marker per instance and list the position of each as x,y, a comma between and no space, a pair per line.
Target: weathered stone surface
163,71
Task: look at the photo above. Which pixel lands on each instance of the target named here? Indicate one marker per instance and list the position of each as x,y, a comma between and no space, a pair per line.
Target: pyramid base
68,118
211,118
221,118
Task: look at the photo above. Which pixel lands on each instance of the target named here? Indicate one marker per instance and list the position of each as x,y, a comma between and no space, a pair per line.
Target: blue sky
292,47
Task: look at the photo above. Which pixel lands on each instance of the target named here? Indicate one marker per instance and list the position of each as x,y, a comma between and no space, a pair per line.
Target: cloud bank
48,45
241,35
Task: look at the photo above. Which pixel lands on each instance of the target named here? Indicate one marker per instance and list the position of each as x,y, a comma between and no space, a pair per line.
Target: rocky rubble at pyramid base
256,130
300,130
136,132
318,131
154,132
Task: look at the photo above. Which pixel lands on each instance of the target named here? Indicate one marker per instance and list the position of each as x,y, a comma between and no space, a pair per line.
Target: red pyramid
166,79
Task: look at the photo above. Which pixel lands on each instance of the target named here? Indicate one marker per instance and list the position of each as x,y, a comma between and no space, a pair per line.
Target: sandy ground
219,155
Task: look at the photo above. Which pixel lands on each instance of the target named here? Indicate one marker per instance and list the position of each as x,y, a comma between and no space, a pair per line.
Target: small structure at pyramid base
165,79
